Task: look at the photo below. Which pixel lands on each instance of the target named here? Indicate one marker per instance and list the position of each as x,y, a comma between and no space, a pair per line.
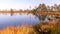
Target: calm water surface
20,19
17,19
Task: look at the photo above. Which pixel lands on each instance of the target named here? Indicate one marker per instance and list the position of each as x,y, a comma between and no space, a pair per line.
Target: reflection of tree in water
41,7
11,12
41,17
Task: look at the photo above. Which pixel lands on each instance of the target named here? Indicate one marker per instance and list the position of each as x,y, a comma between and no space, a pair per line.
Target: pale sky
25,4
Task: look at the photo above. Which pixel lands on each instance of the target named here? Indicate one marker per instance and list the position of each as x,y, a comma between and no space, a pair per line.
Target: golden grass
17,30
30,29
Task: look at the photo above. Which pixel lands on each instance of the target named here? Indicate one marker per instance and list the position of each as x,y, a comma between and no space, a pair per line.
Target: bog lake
19,19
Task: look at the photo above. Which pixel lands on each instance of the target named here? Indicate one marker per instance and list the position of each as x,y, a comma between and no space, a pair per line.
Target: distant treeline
41,7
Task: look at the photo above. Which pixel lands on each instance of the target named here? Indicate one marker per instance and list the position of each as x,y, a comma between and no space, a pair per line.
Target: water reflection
11,13
45,18
17,19
7,19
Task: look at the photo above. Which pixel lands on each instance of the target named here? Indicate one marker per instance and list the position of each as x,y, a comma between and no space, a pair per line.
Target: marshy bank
41,28
32,24
46,21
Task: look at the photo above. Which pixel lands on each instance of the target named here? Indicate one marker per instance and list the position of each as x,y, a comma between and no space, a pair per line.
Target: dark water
17,19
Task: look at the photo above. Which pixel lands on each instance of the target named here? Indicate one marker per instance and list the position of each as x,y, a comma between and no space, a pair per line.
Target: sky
25,4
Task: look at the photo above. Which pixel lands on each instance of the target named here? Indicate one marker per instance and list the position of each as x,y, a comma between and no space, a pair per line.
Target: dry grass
17,30
42,28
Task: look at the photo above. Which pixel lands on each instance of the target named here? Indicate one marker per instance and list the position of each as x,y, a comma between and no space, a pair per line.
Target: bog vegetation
41,28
